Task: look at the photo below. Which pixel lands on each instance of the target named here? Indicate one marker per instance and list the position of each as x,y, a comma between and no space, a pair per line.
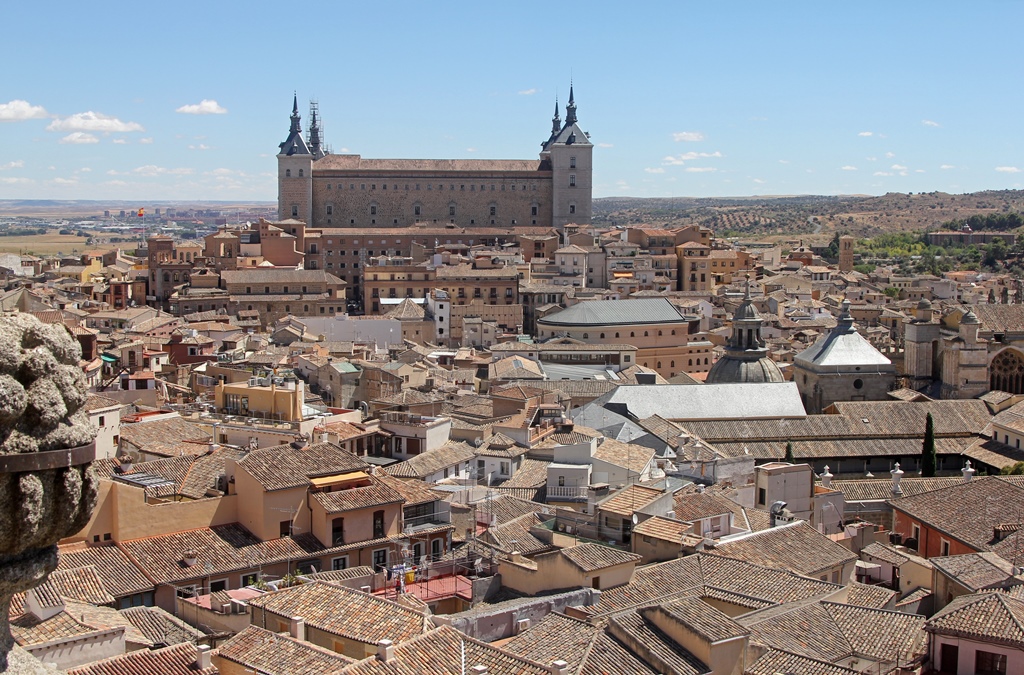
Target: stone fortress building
325,190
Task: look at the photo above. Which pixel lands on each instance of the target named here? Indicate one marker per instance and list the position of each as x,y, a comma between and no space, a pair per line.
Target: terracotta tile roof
164,437
968,511
222,549
283,467
701,618
27,630
661,650
175,660
341,575
532,473
441,651
629,500
160,627
422,465
593,557
413,492
689,575
366,497
665,529
689,507
608,655
796,547
978,571
514,535
120,576
833,632
885,554
874,597
554,637
83,584
341,611
1000,318
262,651
983,616
776,661
635,458
97,402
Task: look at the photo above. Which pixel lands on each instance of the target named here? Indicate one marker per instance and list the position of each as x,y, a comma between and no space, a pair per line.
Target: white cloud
16,164
205,107
221,172
470,149
919,171
113,172
929,123
679,160
201,146
898,167
79,137
85,169
783,161
655,170
947,167
871,159
890,155
65,181
527,92
866,133
881,173
759,181
145,141
115,183
15,180
153,170
1007,169
93,121
848,168
700,169
687,136
605,145
18,110
120,141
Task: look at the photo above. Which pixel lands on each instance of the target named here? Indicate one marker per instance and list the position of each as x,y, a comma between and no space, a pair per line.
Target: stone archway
1006,372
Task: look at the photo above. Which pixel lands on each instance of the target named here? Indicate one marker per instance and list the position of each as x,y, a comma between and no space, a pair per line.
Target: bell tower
295,174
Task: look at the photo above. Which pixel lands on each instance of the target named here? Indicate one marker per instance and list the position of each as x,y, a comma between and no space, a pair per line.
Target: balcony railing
565,492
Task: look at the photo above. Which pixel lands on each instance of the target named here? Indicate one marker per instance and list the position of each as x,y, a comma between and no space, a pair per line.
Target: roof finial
556,122
746,292
295,102
570,109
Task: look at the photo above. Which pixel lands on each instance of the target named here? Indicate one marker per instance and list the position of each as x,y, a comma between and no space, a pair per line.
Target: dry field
43,244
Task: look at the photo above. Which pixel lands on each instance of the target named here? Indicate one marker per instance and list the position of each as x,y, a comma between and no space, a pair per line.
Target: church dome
734,369
970,317
746,312
924,303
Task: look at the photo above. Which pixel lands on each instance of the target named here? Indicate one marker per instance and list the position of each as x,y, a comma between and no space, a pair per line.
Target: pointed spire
570,109
556,122
296,127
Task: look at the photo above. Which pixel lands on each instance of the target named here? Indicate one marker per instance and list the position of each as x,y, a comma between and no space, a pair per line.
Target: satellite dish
635,519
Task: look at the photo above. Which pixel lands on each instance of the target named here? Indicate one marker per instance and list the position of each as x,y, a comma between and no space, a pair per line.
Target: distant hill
860,215
72,208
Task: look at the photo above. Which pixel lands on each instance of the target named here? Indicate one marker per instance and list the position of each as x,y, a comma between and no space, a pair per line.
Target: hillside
862,216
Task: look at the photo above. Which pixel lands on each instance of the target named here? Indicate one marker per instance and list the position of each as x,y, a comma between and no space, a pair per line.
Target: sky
185,100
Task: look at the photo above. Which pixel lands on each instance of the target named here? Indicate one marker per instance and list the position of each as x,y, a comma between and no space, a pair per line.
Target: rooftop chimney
189,558
559,667
297,628
386,650
967,471
478,669
897,474
203,657
125,463
826,478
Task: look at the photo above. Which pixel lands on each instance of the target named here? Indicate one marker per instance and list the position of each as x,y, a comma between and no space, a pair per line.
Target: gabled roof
796,546
174,660
262,651
637,312
285,466
993,617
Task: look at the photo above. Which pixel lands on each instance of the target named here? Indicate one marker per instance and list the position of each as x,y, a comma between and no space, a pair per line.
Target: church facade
331,191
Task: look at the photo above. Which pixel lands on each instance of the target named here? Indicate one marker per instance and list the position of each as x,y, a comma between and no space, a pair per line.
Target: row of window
417,209
430,186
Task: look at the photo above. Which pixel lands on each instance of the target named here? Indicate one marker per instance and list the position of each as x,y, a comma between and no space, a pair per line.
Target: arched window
659,333
300,173
602,336
671,364
632,334
287,173
1007,372
645,333
659,364
167,277
616,334
691,362
705,360
586,336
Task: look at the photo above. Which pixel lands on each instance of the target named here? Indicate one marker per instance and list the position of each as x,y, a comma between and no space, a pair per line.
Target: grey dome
746,312
924,303
734,369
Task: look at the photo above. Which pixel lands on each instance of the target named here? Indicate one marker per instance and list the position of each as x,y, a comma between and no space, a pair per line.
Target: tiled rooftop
262,651
796,547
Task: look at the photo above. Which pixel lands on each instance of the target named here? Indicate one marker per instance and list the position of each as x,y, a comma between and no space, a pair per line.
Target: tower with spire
570,156
295,173
315,141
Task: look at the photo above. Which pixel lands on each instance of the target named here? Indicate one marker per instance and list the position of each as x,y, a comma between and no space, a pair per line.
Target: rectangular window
339,563
218,585
572,208
378,524
987,663
285,528
337,532
380,558
572,180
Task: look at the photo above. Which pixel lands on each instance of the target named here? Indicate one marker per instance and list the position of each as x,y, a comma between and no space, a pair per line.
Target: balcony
561,492
412,525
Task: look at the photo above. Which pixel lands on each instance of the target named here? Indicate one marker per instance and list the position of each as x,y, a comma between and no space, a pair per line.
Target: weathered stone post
47,487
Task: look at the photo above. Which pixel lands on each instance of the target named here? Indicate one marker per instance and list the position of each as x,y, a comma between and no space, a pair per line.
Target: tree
928,458
789,453
1013,470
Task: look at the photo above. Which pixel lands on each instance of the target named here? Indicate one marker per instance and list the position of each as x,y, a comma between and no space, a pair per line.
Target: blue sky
187,100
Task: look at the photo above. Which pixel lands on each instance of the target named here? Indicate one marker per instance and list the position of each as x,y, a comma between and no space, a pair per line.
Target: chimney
967,471
516,557
826,478
478,669
386,650
365,589
297,628
897,474
203,657
189,558
125,463
559,667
